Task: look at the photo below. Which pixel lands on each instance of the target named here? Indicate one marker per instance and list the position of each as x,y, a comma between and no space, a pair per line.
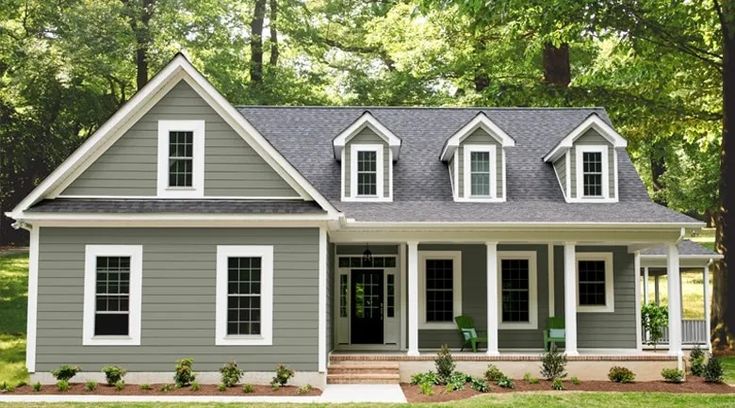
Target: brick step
363,378
347,368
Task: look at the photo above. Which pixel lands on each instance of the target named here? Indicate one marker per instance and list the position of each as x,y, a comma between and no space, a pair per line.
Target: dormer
586,162
475,157
366,151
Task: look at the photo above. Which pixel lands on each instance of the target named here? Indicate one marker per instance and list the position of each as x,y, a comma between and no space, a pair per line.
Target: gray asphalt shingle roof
686,247
194,206
421,186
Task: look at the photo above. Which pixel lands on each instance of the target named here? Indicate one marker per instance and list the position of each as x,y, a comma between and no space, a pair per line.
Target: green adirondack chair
554,332
468,332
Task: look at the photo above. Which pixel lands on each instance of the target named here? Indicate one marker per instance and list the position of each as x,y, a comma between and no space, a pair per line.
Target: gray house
319,237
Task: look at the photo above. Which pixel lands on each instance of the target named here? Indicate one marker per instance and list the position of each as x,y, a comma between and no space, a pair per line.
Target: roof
686,248
122,206
421,186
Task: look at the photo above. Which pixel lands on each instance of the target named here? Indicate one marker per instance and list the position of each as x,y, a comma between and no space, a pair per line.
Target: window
592,172
366,172
391,295
595,282
360,262
244,295
181,158
344,291
439,288
518,307
479,172
112,294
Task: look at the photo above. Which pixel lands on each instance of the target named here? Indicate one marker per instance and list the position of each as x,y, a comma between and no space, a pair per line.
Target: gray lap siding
178,302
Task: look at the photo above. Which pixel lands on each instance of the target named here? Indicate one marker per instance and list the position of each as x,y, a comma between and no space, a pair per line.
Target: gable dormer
366,151
586,162
475,156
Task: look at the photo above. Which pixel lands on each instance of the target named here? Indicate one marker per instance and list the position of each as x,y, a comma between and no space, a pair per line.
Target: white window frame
579,170
467,172
379,185
265,338
456,257
532,323
607,257
91,252
197,181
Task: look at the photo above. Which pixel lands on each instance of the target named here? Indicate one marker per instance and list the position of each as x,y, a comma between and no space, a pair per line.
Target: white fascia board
352,223
592,122
696,257
366,120
479,121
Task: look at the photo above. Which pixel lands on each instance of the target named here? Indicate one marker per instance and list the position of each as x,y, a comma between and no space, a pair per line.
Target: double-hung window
180,158
480,178
440,288
518,307
366,172
592,172
112,294
244,295
595,290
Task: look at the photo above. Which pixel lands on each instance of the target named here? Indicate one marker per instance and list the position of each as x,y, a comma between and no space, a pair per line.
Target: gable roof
480,121
178,69
687,248
593,121
367,120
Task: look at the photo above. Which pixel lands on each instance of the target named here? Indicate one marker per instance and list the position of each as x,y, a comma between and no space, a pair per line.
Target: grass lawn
546,400
13,304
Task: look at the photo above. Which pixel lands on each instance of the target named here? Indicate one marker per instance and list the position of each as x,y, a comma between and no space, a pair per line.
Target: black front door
367,306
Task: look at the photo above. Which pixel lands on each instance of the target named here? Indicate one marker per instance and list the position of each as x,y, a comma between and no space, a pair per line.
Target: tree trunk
657,157
557,70
256,43
139,14
274,33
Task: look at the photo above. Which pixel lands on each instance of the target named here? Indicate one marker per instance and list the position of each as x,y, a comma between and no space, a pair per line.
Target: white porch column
656,290
707,306
674,282
492,298
638,322
413,298
645,285
570,298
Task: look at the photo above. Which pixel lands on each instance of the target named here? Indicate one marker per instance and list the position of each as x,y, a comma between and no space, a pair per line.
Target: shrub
113,374
63,385
66,372
248,388
713,371
304,389
620,375
120,385
672,375
5,387
37,387
557,384
529,378
493,374
90,386
230,374
145,387
221,387
427,388
697,359
444,364
184,374
654,318
553,364
167,387
479,385
195,386
427,377
457,380
21,384
506,382
283,374
575,381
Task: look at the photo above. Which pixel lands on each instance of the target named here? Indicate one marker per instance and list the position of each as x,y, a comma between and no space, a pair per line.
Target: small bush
120,385
195,386
63,385
444,364
506,382
621,375
90,386
66,372
426,388
230,374
5,387
283,374
427,377
167,387
575,381
21,384
145,387
493,374
457,380
479,385
113,374
713,371
248,388
672,375
304,389
697,359
553,364
221,387
37,387
529,378
557,384
184,374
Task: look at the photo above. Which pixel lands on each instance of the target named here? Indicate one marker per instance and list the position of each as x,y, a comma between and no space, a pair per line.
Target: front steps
362,372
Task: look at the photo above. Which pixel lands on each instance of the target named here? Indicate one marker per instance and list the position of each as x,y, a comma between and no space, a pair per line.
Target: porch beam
674,297
570,298
492,298
413,298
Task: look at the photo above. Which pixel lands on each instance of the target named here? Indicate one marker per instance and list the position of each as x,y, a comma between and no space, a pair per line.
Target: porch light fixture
367,256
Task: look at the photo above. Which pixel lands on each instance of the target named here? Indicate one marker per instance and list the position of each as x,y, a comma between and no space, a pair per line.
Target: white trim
479,121
456,257
369,121
580,150
403,293
592,122
673,276
32,315
532,323
615,173
491,276
550,269
152,197
638,322
505,179
707,306
568,194
265,338
322,366
467,159
413,298
455,162
570,305
607,257
197,187
379,174
91,252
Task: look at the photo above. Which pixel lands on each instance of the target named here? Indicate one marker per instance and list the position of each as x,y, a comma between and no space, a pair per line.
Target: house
316,236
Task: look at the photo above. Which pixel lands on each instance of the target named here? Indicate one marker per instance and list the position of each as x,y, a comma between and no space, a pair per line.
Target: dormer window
591,166
180,158
480,178
368,176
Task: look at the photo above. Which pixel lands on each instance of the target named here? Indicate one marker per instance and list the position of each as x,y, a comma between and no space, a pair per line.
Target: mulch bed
692,385
134,389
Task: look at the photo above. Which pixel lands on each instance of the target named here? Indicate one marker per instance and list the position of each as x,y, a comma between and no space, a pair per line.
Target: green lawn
13,304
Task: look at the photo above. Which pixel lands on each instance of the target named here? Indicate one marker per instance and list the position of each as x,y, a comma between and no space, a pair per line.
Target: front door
367,306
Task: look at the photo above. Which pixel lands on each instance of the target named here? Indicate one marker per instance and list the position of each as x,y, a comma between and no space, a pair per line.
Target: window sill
368,199
438,326
243,341
480,199
111,341
595,309
517,326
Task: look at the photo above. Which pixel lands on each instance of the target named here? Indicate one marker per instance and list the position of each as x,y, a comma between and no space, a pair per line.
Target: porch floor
505,355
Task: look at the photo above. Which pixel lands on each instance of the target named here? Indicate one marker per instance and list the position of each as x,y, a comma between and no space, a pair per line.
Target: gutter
352,223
